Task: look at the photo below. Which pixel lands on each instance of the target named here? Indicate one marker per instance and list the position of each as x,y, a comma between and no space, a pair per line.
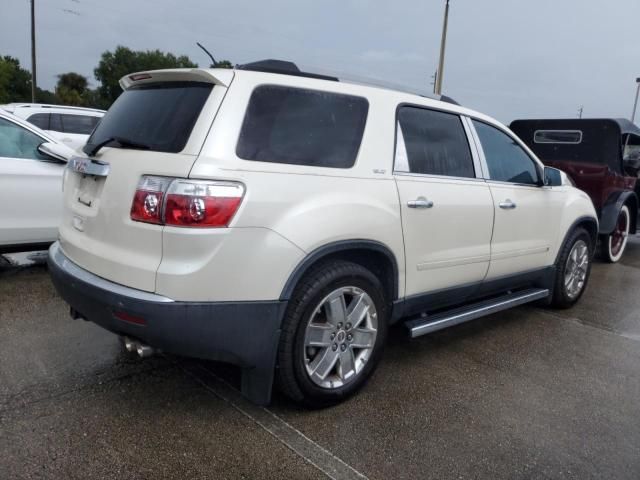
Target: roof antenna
213,60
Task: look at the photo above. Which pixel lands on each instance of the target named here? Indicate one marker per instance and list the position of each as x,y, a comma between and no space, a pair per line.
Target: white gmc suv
281,221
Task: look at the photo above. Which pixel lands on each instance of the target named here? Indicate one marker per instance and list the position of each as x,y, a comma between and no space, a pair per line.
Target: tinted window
18,142
160,115
40,120
557,136
55,123
302,127
507,161
435,143
82,124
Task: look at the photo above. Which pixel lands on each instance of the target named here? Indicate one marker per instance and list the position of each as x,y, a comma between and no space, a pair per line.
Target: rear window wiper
123,142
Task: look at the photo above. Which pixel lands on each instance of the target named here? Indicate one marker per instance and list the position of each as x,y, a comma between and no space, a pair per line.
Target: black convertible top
601,139
626,126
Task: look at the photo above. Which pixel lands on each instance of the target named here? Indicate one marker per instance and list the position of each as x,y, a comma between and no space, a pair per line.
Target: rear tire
333,334
572,269
612,246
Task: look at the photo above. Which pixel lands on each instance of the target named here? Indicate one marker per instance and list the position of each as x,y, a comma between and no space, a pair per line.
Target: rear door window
40,120
432,143
302,127
160,115
81,124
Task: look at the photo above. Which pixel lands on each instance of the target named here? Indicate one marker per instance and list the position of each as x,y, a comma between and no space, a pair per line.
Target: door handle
507,205
420,202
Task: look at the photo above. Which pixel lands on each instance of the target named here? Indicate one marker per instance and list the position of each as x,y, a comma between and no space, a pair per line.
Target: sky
506,58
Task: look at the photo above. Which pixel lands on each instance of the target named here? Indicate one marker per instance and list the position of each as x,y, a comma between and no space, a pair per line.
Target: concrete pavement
528,393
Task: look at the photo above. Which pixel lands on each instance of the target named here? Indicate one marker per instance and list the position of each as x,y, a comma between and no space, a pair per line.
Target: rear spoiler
217,76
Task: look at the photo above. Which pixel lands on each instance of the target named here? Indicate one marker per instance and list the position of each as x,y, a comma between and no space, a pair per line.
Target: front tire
333,334
572,269
612,246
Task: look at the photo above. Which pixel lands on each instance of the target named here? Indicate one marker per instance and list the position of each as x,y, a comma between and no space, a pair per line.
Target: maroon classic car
602,157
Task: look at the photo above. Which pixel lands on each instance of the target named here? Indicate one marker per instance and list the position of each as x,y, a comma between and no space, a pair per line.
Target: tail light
186,203
148,199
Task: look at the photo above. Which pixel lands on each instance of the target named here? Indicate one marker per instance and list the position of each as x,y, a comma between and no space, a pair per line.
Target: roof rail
284,67
51,105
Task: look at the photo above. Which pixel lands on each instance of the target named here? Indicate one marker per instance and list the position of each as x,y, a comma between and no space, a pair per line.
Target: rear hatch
156,127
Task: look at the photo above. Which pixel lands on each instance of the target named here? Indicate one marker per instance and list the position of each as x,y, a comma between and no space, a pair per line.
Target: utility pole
443,41
33,51
580,111
635,103
434,77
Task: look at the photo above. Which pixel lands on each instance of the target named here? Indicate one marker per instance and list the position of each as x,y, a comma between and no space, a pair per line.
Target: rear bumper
243,333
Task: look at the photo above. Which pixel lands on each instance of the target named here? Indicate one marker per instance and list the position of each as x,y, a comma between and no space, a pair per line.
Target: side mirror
56,151
553,177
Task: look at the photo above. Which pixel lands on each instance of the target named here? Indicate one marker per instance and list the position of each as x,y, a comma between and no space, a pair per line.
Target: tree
222,64
73,81
15,84
15,81
72,88
123,61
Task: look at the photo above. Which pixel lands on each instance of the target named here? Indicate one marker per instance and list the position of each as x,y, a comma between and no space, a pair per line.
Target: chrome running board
433,323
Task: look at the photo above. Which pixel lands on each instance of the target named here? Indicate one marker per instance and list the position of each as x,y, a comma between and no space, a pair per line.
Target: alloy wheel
575,273
340,337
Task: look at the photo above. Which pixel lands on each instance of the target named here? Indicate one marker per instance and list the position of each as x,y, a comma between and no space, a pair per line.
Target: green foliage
15,81
123,61
73,88
44,96
15,84
73,81
222,64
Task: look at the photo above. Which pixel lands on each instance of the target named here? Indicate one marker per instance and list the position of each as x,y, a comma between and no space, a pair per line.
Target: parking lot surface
528,393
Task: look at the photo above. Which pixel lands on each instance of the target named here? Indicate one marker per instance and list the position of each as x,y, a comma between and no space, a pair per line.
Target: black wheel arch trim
335,247
611,211
574,225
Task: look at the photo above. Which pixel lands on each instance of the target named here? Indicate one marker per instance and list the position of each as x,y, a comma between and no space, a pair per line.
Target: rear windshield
302,127
160,115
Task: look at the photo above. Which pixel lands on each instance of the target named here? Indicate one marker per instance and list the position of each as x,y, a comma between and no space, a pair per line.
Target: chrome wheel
575,272
340,337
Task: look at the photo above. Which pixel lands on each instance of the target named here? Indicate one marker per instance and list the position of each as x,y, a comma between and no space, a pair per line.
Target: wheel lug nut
343,347
334,347
349,337
348,326
339,325
333,335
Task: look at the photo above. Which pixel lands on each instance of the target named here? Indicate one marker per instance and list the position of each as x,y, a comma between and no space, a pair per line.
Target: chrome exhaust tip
144,350
130,344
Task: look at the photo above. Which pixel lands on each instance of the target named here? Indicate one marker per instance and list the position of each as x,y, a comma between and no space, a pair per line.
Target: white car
282,220
71,125
31,167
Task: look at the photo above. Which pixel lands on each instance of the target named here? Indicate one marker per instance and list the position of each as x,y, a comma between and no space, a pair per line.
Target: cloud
506,59
390,56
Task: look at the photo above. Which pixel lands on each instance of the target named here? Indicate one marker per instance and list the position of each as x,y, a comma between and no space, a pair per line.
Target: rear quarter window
40,120
80,124
302,127
557,136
